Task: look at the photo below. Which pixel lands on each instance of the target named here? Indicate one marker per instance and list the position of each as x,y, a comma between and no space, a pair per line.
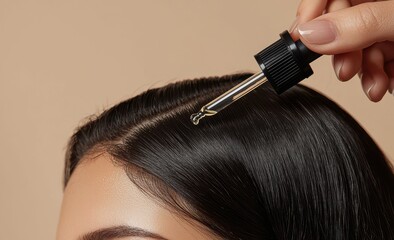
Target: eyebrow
120,232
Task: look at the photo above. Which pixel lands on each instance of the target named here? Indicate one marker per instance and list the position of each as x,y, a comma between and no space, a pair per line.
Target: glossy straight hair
290,166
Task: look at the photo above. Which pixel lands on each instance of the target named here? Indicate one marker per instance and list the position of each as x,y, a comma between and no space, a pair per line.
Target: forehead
99,194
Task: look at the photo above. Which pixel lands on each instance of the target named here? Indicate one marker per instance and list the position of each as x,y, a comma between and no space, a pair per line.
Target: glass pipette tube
229,97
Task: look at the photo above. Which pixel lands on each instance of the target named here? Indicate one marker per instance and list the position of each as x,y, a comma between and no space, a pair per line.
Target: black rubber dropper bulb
284,64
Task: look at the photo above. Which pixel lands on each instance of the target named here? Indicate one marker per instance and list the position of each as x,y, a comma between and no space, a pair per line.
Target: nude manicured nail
391,87
338,66
294,25
318,31
360,75
369,90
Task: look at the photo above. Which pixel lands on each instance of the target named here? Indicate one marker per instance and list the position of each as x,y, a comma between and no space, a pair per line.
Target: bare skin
358,33
100,195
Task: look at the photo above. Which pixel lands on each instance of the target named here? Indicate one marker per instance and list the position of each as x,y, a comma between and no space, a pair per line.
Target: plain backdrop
62,61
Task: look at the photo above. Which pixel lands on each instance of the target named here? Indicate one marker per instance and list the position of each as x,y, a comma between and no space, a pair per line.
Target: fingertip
293,29
389,68
307,10
376,98
295,35
315,37
377,73
375,86
391,86
347,65
337,63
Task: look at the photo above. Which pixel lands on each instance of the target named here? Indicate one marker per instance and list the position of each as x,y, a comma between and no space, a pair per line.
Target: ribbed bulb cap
285,62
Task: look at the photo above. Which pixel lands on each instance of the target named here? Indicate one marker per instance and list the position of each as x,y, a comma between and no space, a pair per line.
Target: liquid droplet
195,117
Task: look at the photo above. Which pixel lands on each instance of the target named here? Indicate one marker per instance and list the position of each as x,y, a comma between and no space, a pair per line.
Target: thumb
349,29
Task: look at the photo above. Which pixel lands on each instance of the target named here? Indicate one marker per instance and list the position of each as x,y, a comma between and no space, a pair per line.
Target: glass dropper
284,63
229,97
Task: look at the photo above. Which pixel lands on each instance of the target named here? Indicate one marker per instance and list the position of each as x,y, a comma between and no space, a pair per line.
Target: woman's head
294,166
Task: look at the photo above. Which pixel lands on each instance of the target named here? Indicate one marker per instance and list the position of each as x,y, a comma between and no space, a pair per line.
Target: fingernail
318,31
369,90
360,75
338,66
391,87
293,25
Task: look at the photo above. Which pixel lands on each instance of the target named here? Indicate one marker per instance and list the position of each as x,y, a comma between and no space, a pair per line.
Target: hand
358,33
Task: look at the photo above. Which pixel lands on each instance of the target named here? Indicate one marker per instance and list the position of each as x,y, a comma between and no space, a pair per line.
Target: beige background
61,61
